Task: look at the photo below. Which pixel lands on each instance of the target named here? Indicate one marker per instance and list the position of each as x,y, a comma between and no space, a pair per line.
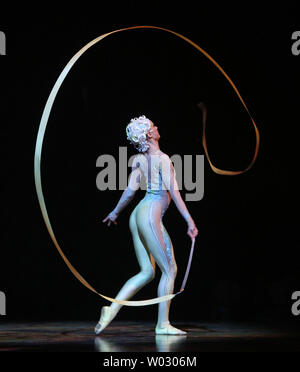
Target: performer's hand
111,218
192,231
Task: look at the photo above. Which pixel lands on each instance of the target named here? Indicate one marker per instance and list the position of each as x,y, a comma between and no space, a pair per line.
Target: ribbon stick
39,144
188,267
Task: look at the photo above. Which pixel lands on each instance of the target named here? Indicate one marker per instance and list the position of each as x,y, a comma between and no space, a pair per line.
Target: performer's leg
135,283
166,284
147,265
158,242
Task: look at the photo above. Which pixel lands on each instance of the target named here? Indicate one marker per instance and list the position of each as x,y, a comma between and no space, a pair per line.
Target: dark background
246,260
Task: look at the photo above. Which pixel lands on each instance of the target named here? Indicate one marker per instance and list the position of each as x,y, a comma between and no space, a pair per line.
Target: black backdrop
246,261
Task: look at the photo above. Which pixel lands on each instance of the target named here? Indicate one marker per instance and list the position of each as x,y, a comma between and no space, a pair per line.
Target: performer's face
153,132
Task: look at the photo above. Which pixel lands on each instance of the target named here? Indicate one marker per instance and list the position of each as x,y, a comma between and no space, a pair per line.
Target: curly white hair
137,131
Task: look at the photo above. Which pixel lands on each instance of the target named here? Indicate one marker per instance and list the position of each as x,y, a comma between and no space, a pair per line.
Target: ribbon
38,152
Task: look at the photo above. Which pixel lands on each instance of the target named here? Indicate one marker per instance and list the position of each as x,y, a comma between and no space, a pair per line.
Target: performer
150,238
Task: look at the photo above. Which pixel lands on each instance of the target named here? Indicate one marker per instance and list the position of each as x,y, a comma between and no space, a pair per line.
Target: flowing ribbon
38,151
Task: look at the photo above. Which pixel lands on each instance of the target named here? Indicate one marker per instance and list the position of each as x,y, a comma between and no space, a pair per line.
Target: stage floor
128,336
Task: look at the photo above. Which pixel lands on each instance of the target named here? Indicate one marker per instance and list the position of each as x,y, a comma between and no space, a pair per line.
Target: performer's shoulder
137,159
164,156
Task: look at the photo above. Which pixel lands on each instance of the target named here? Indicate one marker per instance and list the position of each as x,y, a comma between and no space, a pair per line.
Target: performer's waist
156,192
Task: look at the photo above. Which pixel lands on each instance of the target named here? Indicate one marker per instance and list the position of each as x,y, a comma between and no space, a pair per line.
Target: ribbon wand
187,271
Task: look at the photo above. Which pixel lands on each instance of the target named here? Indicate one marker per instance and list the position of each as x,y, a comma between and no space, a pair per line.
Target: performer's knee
148,275
172,271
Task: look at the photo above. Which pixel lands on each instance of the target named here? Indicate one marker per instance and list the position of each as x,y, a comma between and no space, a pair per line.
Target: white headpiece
137,131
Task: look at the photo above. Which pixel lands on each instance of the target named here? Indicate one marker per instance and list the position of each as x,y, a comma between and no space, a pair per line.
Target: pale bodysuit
151,240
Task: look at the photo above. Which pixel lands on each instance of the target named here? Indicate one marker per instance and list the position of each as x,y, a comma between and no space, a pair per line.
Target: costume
151,240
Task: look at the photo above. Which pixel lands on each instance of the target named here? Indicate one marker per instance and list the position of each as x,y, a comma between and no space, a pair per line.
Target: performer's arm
127,195
170,183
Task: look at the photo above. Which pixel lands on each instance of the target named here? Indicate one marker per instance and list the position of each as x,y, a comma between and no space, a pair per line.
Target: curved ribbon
38,151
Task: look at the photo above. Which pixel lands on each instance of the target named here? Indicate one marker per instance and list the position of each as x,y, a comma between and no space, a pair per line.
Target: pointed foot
105,318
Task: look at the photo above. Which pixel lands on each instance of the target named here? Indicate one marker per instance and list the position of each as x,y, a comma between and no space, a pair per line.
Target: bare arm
170,183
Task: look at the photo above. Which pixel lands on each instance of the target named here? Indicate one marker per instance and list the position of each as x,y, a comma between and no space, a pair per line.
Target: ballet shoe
168,329
105,318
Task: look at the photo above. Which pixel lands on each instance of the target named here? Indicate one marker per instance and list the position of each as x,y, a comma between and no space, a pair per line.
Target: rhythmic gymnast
151,240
